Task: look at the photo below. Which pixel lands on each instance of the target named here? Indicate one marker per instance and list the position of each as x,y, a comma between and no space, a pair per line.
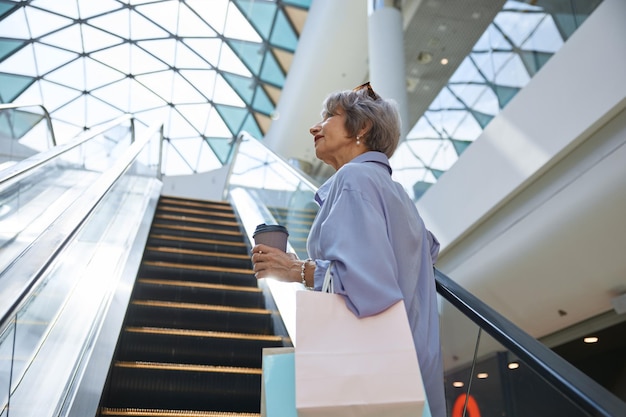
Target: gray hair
367,110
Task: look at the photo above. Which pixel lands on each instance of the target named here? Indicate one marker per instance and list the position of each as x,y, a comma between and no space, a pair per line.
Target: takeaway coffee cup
273,235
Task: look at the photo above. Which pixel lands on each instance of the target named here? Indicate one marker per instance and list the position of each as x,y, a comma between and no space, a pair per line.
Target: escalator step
177,219
195,347
199,317
201,273
213,245
197,231
197,257
185,387
172,209
198,292
143,412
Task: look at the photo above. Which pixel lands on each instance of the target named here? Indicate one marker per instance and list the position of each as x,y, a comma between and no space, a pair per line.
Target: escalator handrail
22,167
580,388
33,262
11,106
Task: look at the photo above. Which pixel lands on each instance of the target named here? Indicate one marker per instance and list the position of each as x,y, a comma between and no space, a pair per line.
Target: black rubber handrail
574,384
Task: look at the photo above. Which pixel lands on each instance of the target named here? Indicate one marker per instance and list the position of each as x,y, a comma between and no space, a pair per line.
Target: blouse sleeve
354,236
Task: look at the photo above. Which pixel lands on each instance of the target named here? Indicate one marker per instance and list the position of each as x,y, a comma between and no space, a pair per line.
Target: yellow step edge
198,252
197,203
165,207
178,217
198,267
187,367
193,284
202,307
196,240
203,333
197,229
147,412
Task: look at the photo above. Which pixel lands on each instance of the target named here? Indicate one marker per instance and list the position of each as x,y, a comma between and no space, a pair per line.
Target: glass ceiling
207,68
515,46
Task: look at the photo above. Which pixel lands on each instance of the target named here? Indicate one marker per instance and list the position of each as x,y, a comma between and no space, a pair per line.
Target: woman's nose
314,129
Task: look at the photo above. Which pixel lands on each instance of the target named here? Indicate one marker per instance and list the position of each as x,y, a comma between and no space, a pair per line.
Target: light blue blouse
382,253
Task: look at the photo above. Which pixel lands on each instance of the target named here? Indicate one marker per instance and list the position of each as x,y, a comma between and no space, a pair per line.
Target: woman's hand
271,262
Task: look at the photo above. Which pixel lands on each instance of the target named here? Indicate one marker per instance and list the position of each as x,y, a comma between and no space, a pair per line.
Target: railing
69,276
503,371
46,115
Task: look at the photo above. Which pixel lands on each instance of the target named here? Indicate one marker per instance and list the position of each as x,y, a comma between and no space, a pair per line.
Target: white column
386,55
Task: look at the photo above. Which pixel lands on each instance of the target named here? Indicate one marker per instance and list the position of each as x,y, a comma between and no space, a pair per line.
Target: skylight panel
142,28
90,8
41,22
238,27
190,25
115,23
164,14
215,15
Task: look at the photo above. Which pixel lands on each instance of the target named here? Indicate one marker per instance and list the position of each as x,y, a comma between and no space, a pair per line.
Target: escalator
196,324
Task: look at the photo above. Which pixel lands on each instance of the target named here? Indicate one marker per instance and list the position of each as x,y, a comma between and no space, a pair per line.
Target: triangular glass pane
437,172
71,75
160,83
505,94
262,103
55,96
189,149
513,73
164,14
207,158
89,8
515,28
189,24
117,57
534,61
165,49
64,8
488,102
215,15
466,73
175,163
251,127
419,188
15,124
49,58
482,118
238,27
11,86
208,48
221,147
546,37
233,117
14,25
242,85
202,80
183,92
216,127
73,112
260,14
230,62
69,38
224,94
113,23
7,46
250,53
196,114
460,145
96,39
186,58
142,28
445,100
284,58
99,112
41,22
468,93
142,62
21,62
142,98
178,127
422,129
297,17
271,72
98,75
283,34
4,7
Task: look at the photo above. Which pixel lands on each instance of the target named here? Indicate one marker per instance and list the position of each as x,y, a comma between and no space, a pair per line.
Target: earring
358,139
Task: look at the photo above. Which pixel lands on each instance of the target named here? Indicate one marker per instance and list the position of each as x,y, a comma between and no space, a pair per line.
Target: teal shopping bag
278,394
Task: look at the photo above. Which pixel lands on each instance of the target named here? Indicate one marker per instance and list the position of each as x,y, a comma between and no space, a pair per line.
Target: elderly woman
369,228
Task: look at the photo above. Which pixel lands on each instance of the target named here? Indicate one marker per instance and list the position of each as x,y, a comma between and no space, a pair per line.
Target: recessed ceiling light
444,61
482,375
590,339
457,384
424,57
513,365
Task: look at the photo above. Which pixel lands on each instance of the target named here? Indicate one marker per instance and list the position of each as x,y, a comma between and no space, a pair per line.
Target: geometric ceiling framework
515,46
208,69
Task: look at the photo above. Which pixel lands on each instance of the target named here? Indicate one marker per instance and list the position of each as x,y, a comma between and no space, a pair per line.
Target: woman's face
332,143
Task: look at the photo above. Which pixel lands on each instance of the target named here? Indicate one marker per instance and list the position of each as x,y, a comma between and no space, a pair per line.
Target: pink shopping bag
346,366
